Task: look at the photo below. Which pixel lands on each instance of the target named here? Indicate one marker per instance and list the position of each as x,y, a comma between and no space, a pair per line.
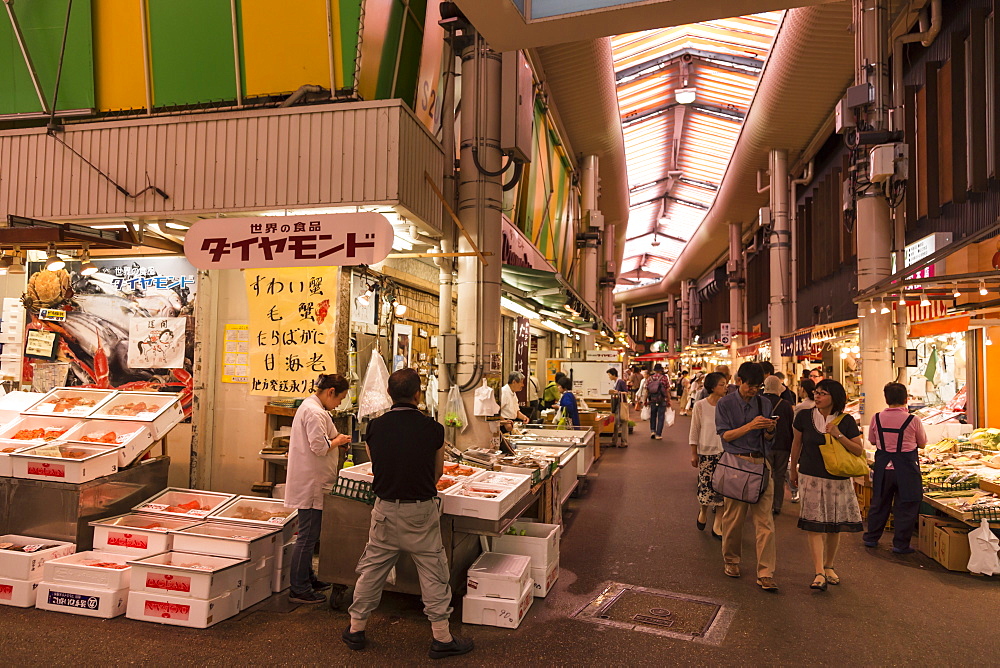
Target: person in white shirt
706,449
312,464
509,408
534,399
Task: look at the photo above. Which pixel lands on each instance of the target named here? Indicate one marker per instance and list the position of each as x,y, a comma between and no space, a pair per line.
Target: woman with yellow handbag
824,438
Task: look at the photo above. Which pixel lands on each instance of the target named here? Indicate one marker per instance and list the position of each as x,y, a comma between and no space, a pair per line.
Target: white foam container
28,565
133,437
495,575
503,612
283,555
80,599
43,462
175,574
6,463
362,472
167,414
258,588
14,403
540,542
227,540
18,593
544,578
33,422
519,481
454,503
72,570
282,578
180,611
289,524
46,405
174,496
130,534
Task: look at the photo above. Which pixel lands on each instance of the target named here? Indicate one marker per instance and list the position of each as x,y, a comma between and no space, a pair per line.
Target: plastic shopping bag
484,402
984,545
431,395
646,412
668,417
454,410
374,399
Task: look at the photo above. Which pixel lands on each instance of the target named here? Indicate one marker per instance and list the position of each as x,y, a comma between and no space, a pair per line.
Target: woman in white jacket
642,394
706,448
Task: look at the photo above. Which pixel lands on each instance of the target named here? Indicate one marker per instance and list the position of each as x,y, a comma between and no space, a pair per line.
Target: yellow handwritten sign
236,354
291,328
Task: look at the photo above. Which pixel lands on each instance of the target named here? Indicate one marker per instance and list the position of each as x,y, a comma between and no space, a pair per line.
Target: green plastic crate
357,490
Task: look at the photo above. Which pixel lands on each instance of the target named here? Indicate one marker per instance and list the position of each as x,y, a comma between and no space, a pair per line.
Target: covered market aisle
635,525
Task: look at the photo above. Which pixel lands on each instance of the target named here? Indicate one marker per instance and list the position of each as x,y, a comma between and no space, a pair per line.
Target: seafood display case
160,410
74,402
177,502
30,430
260,512
137,534
133,437
552,435
65,462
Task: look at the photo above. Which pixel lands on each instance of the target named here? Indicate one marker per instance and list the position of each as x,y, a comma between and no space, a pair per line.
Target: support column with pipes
593,224
780,255
672,325
737,289
873,226
480,199
446,266
685,313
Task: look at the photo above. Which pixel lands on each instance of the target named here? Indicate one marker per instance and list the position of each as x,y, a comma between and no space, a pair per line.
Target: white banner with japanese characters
156,343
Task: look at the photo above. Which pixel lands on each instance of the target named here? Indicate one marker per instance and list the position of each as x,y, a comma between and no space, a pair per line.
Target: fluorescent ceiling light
686,95
174,225
512,305
555,327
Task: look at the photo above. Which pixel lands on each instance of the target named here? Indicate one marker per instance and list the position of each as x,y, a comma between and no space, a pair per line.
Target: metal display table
63,511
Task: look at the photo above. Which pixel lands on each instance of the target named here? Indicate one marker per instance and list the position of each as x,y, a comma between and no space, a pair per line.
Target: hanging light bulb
17,263
982,288
88,268
54,262
956,294
399,309
924,301
988,341
871,307
861,311
885,309
902,299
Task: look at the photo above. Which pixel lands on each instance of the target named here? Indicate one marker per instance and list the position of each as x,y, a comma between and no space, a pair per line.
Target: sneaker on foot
355,641
869,543
903,550
307,597
319,585
458,645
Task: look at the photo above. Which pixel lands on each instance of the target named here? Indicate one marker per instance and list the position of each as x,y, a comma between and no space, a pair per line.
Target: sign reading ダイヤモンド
291,332
325,240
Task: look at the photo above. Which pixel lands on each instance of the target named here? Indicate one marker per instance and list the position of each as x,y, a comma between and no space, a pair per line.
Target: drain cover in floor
679,616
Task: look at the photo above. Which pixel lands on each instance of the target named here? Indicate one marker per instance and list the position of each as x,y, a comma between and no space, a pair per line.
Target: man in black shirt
405,447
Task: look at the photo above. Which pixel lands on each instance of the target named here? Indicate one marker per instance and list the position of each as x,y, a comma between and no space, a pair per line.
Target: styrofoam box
28,565
544,578
175,497
18,593
498,575
14,403
540,542
256,591
6,463
227,540
33,422
80,599
49,402
520,482
180,611
362,472
249,505
74,570
48,462
167,414
283,554
503,612
137,534
187,575
282,578
455,503
133,437
259,570
457,481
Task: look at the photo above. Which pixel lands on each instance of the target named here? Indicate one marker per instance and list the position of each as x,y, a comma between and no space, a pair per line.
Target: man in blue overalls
896,475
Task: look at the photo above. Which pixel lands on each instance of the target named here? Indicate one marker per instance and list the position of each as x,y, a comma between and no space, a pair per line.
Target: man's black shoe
458,645
308,597
355,641
319,585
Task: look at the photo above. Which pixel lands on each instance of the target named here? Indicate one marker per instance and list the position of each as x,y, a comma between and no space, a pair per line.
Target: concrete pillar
737,288
685,313
479,208
874,226
672,327
446,266
780,252
589,256
607,293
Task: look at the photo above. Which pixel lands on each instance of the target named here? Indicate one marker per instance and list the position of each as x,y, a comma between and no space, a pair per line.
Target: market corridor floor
636,525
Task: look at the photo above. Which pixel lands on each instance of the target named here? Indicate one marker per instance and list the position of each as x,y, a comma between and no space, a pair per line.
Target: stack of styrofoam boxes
86,583
20,572
541,543
239,511
499,590
11,332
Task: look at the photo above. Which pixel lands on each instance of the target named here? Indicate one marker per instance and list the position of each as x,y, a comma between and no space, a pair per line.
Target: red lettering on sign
167,610
168,582
128,540
46,469
6,592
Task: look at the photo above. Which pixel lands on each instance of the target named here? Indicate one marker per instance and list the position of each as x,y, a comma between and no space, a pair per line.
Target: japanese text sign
337,239
291,337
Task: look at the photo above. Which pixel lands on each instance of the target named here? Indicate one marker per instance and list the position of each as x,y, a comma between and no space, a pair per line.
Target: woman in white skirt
829,505
706,448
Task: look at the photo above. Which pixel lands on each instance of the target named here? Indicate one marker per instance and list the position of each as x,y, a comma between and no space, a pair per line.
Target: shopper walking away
633,380
659,402
685,393
313,457
786,393
829,504
706,448
567,402
619,408
742,420
896,483
510,411
407,459
781,448
552,391
641,394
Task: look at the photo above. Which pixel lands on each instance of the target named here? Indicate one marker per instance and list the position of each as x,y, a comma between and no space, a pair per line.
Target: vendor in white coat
510,409
312,464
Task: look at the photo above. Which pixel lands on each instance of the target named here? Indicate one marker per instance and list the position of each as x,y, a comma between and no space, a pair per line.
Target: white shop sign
603,356
725,333
922,248
322,240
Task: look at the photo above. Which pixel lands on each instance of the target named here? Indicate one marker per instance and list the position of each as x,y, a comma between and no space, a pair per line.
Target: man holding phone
743,421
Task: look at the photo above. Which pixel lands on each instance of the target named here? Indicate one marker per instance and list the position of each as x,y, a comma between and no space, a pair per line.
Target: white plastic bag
668,417
646,412
454,411
984,546
431,395
484,401
374,399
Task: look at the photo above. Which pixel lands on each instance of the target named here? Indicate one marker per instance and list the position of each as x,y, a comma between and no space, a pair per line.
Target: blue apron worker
896,475
312,465
407,457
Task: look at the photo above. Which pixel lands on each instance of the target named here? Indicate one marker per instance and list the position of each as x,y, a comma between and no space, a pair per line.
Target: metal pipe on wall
685,313
793,306
737,289
672,327
780,247
588,277
446,266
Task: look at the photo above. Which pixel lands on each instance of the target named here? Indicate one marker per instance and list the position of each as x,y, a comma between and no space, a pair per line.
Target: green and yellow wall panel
284,46
119,80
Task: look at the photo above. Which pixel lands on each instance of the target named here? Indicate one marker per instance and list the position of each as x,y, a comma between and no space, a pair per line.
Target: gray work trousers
414,528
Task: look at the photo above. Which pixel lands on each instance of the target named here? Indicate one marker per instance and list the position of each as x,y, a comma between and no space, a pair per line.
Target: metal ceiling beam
682,179
659,234
732,114
679,200
722,60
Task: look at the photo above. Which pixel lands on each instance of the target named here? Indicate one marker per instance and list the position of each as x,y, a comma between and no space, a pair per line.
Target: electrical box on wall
518,101
764,216
844,120
887,161
448,348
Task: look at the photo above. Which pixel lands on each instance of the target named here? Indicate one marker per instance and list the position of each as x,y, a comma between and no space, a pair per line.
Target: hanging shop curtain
938,327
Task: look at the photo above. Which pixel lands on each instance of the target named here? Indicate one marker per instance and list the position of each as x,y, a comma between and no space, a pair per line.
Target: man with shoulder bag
746,426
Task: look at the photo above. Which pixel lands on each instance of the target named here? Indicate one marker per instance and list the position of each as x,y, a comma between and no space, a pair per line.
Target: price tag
154,506
276,520
198,513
